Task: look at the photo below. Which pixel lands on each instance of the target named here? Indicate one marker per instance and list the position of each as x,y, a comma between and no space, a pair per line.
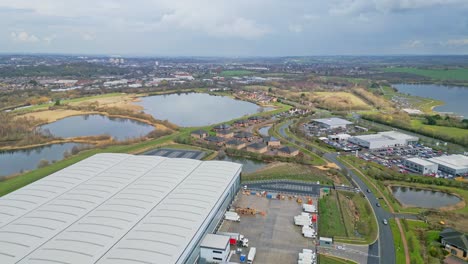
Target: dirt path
397,220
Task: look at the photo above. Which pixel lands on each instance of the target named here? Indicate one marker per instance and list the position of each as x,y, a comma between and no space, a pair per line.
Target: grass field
331,220
232,73
436,74
333,260
397,241
290,171
440,130
338,101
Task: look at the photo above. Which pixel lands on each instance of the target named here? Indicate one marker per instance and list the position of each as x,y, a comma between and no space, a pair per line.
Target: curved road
383,246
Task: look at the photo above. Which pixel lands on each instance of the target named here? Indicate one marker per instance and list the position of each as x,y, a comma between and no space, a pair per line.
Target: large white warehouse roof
112,208
456,161
333,121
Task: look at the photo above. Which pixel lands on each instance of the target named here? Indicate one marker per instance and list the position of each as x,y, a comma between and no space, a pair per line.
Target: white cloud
413,44
88,36
456,42
296,28
24,37
345,7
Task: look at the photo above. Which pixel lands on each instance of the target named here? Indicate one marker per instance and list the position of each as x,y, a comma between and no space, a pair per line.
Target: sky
234,27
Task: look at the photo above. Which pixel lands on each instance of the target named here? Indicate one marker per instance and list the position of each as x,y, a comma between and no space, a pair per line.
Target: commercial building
339,137
214,248
117,208
332,123
420,166
452,164
383,140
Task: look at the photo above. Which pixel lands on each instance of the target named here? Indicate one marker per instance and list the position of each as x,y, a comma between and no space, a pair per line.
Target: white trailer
251,255
232,216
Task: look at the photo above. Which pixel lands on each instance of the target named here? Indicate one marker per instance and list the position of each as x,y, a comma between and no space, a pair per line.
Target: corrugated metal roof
114,208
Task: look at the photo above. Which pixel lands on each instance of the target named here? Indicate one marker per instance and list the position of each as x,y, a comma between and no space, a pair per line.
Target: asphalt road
384,246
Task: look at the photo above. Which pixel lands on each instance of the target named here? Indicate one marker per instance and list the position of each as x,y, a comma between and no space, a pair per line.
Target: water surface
249,165
93,125
415,197
197,109
454,97
264,131
17,161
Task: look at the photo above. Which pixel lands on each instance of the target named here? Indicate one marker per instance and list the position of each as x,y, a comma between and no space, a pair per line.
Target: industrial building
215,248
420,166
383,140
117,208
333,122
452,164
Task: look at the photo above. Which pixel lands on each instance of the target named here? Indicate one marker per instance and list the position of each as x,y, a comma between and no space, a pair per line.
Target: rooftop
287,149
455,238
456,161
257,145
215,241
387,135
421,162
333,121
199,132
235,142
113,208
214,139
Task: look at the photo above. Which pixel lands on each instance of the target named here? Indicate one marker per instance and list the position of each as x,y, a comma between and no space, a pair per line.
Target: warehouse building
117,208
421,166
386,139
452,164
215,248
332,123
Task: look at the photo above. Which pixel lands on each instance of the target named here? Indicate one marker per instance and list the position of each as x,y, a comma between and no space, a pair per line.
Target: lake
196,109
93,125
249,165
415,197
16,161
454,97
264,131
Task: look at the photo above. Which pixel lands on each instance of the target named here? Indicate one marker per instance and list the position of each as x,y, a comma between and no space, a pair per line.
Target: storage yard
271,230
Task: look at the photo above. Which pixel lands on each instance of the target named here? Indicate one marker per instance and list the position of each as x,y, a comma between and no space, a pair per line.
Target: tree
57,102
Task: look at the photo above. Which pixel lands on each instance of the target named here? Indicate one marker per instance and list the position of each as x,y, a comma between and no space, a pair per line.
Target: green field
233,73
331,220
333,260
397,241
436,74
290,171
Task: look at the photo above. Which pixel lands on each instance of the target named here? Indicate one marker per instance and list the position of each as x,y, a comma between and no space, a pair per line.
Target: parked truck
251,255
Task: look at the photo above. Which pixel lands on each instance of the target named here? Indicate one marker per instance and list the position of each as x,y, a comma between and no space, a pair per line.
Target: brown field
338,101
124,101
54,115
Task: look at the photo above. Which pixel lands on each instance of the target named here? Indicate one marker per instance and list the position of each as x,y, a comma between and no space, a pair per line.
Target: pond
17,161
93,125
414,197
454,97
249,165
264,131
197,109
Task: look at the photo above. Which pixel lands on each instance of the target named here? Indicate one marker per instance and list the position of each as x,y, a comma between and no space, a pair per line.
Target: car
368,190
378,205
385,222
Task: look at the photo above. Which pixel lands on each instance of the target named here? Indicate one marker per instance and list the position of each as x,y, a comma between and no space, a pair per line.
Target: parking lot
274,235
176,153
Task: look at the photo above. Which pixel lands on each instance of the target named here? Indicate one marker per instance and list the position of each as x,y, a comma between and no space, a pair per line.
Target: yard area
274,235
292,171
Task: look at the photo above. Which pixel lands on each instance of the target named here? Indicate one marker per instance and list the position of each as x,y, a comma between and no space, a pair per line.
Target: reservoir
414,197
94,125
454,97
17,161
196,109
249,165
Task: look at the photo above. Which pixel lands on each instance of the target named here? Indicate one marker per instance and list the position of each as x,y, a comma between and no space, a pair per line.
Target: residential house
224,133
199,134
288,151
272,142
257,148
235,144
455,242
